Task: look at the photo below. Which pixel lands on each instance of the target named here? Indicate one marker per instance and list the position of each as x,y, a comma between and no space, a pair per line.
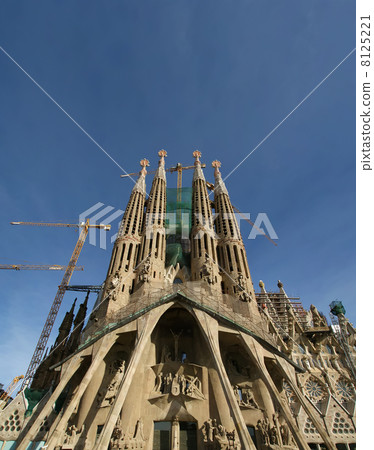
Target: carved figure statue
263,426
159,381
116,438
114,281
70,435
176,337
318,320
138,440
207,271
179,384
215,436
240,281
248,399
144,273
237,395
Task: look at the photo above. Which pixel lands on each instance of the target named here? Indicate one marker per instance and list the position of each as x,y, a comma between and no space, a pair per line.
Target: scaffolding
277,305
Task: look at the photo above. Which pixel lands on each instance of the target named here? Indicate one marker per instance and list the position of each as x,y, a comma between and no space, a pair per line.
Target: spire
198,173
140,183
74,338
65,326
219,185
153,243
160,172
204,246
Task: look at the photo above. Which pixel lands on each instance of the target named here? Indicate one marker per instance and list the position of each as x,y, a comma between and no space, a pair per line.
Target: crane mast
46,332
8,392
36,267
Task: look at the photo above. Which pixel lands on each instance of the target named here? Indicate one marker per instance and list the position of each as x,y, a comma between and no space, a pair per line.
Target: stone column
305,404
255,352
149,322
209,328
105,346
71,368
175,434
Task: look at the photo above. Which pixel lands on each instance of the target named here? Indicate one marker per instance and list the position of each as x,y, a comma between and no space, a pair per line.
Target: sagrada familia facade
179,352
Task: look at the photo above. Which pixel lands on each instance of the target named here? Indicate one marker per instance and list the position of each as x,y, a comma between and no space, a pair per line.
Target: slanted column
232,256
255,352
33,427
209,328
152,255
204,264
104,347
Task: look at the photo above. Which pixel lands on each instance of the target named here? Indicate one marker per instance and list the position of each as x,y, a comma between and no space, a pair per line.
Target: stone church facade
180,352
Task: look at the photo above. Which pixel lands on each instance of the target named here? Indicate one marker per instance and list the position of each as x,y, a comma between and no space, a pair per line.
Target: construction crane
210,186
43,339
36,267
4,397
85,288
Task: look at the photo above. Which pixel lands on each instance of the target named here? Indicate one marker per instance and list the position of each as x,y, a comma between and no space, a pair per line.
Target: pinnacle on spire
219,185
198,173
160,172
196,154
140,183
162,154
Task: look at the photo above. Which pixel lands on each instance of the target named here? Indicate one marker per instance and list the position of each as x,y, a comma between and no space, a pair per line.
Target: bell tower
204,265
151,261
120,280
236,278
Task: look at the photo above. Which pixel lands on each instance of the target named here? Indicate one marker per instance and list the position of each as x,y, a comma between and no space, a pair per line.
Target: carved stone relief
179,384
275,435
106,395
120,441
71,435
145,271
206,272
216,437
245,397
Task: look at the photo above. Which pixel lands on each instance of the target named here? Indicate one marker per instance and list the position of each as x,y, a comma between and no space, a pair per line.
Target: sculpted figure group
245,398
275,435
119,441
178,384
217,438
106,396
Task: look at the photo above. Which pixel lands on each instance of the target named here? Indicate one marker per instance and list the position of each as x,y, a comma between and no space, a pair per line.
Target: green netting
33,397
61,399
178,226
337,308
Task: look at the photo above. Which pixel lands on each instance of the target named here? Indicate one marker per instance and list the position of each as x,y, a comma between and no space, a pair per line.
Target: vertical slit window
229,257
114,260
121,257
206,243
244,263
157,251
128,257
237,259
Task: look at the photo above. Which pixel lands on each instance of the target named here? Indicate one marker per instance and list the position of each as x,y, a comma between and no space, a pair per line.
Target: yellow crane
42,342
36,267
4,397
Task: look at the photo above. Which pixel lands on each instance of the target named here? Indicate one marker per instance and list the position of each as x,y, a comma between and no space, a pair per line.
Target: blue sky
139,76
